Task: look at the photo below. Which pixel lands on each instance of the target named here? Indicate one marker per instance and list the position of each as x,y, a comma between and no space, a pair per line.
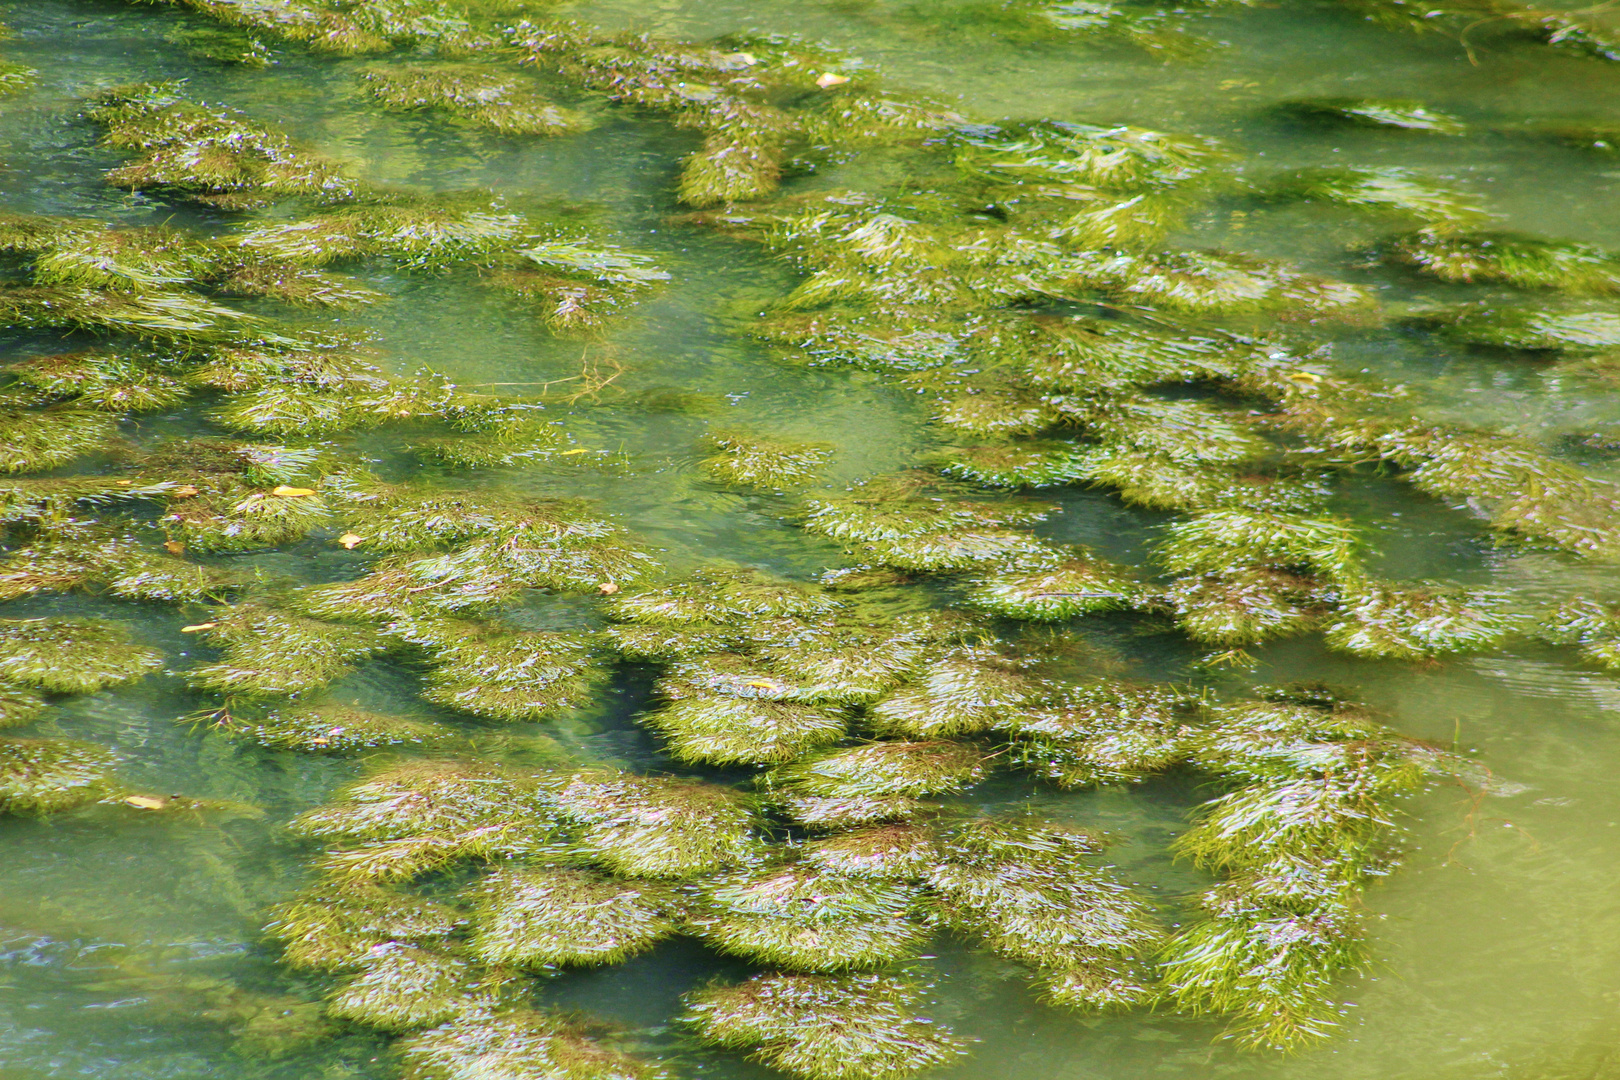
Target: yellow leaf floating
350,541
291,492
145,802
828,79
195,628
174,547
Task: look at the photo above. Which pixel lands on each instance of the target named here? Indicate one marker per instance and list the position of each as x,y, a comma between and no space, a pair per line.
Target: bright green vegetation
1526,261
488,97
825,1028
872,708
1400,115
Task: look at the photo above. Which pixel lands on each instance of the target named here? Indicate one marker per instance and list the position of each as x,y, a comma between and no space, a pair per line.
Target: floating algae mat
845,541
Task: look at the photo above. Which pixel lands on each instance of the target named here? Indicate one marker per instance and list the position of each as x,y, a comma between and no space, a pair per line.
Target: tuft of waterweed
48,776
72,656
488,97
820,1027
544,916
803,918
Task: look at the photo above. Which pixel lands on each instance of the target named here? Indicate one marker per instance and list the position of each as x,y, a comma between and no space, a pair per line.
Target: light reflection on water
1500,939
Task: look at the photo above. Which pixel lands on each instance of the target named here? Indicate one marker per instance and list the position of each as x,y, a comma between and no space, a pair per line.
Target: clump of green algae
772,673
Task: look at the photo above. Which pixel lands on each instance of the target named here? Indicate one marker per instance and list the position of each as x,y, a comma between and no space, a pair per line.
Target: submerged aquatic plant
48,776
1054,588
1510,258
744,460
640,826
401,988
210,154
487,96
516,1044
1418,622
1368,112
1393,190
338,729
1104,732
802,918
1029,892
269,652
819,1027
72,656
335,927
1529,328
545,916
1315,818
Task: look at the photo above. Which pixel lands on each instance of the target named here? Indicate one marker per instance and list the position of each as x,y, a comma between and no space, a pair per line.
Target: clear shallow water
1499,940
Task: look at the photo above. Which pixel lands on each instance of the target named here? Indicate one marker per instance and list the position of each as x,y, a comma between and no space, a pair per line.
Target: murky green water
1499,940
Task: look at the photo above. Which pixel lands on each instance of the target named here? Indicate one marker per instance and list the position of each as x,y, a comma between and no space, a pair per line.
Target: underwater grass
47,776
801,918
487,97
517,1044
545,916
72,656
850,1027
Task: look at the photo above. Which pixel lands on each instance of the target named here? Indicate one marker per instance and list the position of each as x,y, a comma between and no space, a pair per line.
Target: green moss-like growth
47,776
1208,283
1511,258
1367,112
506,676
126,260
1314,819
45,438
850,811
108,382
1044,152
206,153
401,988
995,412
882,769
19,706
1592,626
1419,622
900,852
1389,189
1245,606
728,169
803,918
743,460
1104,733
269,652
721,595
968,690
1534,329
516,1044
340,729
1029,892
423,815
850,1027
335,927
733,731
72,656
579,285
1054,588
415,233
1189,432
908,522
549,916
1031,464
488,97
1217,541
640,826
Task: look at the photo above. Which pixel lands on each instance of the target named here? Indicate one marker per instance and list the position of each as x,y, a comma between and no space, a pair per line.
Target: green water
1498,941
